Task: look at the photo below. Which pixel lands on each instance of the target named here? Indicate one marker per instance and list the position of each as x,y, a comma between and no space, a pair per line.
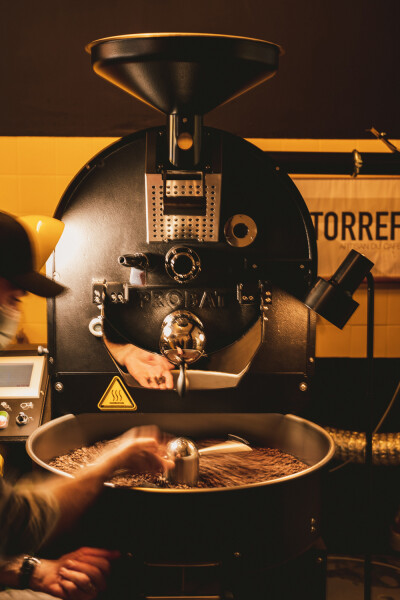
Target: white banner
360,213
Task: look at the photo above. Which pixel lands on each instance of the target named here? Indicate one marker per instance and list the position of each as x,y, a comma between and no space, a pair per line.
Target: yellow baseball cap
25,245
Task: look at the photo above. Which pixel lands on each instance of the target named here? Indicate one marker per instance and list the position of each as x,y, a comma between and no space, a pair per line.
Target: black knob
21,418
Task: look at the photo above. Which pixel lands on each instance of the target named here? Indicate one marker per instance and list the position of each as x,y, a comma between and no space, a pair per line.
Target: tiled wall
34,172
352,339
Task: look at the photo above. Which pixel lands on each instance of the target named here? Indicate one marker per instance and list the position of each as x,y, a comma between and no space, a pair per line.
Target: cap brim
38,284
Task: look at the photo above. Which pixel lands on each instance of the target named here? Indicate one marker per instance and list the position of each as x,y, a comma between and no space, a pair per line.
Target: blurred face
10,296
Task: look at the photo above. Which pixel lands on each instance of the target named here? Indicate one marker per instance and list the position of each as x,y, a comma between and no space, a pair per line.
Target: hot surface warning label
116,397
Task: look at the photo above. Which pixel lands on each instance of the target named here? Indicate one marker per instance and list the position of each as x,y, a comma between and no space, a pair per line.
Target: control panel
23,383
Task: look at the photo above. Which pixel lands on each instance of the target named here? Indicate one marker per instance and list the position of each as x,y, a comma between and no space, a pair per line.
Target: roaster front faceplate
238,254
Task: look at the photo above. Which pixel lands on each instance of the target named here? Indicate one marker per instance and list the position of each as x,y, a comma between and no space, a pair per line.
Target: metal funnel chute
184,75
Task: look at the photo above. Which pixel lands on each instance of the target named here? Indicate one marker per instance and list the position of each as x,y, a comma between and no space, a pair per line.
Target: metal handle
182,383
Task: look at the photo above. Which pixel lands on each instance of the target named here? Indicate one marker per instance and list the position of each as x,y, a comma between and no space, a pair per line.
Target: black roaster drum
122,205
269,522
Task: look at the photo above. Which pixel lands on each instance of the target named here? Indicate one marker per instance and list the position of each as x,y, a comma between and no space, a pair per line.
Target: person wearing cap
19,273
25,245
33,513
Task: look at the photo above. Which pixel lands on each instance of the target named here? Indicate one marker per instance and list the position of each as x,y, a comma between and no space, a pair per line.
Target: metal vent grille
162,227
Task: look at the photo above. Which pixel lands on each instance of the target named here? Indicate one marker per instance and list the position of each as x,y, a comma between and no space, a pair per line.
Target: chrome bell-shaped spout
182,342
182,337
186,457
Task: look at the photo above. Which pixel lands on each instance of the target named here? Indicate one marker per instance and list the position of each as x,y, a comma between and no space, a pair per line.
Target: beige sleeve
28,514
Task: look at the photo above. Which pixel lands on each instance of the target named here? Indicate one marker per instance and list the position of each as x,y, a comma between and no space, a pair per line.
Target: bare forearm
149,369
9,572
119,351
74,496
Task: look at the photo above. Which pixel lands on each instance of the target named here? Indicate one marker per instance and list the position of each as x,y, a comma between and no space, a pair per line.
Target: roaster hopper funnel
184,73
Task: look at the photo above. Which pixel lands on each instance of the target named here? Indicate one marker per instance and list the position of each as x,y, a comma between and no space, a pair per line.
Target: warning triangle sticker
116,397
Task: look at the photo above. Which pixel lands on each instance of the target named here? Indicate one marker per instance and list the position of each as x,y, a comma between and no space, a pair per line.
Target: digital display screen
15,375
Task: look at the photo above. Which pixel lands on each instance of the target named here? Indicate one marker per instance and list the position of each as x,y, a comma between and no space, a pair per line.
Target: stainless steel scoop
186,456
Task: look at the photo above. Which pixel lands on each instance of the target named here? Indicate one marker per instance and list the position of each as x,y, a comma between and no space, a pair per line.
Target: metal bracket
98,292
357,163
116,292
383,136
266,293
251,292
248,293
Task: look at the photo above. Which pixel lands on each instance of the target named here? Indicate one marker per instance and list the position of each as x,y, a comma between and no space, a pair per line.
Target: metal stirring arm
185,454
225,447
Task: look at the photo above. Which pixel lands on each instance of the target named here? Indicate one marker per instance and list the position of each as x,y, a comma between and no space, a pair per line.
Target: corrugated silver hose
350,445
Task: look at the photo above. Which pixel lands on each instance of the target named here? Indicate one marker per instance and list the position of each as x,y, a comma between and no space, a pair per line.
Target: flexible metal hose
350,446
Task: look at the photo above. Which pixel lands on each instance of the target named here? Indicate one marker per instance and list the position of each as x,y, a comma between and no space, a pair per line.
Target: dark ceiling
338,77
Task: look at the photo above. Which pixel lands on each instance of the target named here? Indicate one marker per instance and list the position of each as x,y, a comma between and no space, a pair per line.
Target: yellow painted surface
35,171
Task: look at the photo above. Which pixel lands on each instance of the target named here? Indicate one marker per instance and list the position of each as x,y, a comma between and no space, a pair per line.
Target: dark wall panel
339,74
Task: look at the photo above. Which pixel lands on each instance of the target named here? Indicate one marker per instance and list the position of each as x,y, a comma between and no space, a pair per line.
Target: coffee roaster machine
190,241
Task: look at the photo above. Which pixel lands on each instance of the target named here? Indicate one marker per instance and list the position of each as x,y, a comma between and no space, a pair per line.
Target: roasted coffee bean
216,470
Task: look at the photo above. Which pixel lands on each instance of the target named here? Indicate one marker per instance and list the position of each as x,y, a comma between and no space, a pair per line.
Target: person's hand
79,575
138,450
149,369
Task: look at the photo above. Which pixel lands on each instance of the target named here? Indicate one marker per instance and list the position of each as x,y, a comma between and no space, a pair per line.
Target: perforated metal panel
162,227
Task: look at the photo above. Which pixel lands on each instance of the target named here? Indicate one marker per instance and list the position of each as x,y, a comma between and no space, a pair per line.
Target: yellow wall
34,172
